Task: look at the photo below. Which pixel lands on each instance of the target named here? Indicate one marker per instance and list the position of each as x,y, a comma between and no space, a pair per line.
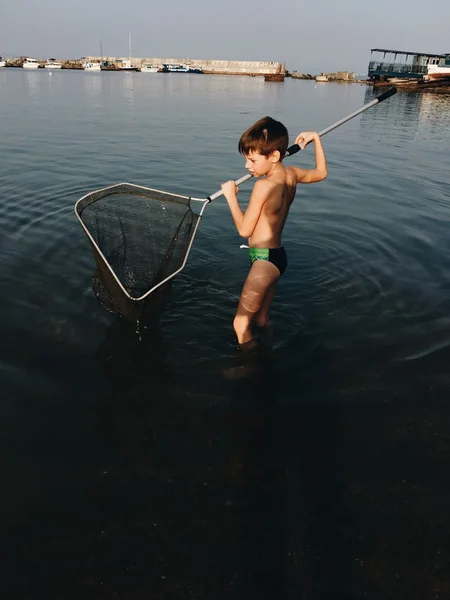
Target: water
131,467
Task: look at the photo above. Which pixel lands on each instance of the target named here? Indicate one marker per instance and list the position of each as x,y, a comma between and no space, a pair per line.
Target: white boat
176,68
30,63
52,63
2,62
125,64
91,66
149,68
180,68
437,72
321,78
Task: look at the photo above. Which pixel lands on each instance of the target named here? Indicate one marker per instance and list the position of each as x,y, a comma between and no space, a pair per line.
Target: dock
418,71
210,67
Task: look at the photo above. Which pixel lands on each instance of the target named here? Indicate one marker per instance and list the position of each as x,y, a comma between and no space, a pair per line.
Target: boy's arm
245,222
321,171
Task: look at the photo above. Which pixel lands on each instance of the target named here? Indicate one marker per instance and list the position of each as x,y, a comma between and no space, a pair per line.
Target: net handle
295,147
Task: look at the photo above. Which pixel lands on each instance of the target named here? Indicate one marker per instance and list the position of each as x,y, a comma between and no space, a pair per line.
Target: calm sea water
132,468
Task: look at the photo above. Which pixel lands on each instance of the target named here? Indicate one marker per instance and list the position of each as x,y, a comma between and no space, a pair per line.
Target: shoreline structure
222,67
272,70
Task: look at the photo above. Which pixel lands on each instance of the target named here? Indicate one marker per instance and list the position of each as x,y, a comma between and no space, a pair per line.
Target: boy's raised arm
320,171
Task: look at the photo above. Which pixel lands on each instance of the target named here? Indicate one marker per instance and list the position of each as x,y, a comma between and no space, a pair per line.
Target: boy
264,145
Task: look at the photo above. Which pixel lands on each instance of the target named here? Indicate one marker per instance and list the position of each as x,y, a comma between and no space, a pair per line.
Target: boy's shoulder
284,176
264,187
262,183
293,170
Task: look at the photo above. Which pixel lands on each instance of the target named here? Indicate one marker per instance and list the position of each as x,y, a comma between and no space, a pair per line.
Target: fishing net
140,239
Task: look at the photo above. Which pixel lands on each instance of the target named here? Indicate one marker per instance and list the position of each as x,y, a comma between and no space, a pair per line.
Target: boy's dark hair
264,137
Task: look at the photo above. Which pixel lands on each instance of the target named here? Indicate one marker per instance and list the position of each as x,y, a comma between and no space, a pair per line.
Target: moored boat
125,64
180,68
438,72
52,63
278,77
30,63
2,62
149,68
321,78
90,66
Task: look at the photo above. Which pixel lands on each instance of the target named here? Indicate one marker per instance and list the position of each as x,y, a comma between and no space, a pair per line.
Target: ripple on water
367,248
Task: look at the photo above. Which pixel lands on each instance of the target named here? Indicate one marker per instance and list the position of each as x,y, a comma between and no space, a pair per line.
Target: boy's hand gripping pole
295,147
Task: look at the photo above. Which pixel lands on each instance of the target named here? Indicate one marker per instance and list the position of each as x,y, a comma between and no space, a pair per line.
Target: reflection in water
32,81
129,358
408,108
259,470
249,494
93,85
127,85
434,111
402,108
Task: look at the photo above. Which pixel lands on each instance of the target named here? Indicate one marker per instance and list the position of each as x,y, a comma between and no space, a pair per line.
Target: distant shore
270,70
208,67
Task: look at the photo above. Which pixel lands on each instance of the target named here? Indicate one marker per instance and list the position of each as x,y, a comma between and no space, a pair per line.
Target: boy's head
264,137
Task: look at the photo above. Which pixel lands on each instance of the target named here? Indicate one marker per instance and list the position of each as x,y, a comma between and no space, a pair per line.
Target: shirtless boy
264,145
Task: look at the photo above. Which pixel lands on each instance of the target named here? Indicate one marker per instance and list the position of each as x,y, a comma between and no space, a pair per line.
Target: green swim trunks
277,256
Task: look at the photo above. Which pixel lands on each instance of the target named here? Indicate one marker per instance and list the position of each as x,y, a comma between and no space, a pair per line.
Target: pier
388,64
220,67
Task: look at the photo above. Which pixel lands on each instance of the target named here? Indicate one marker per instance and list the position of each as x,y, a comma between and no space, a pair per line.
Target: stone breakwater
337,76
223,67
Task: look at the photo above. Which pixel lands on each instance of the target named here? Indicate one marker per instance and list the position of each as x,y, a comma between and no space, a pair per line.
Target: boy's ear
276,156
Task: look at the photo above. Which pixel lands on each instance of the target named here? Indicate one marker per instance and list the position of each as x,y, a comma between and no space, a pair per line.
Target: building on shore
401,65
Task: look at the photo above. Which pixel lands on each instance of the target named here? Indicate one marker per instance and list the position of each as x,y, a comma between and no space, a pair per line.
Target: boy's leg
262,277
262,316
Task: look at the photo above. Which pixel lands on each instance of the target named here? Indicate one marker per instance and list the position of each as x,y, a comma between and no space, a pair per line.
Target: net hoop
143,190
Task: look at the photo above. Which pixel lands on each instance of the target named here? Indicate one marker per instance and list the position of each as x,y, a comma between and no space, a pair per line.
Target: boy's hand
229,188
304,138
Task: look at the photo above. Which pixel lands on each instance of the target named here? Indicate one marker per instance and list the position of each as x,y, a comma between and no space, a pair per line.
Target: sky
311,37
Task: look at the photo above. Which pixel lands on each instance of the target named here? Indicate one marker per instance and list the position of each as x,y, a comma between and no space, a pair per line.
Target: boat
2,62
125,64
180,68
438,72
149,68
30,63
52,63
279,74
274,77
321,78
175,68
90,66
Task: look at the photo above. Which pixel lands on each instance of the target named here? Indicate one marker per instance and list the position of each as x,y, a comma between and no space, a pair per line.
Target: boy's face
258,164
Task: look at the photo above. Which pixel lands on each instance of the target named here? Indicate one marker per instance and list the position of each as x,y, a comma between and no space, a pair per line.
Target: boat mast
129,44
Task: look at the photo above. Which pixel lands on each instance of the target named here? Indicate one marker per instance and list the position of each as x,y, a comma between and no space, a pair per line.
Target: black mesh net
140,237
